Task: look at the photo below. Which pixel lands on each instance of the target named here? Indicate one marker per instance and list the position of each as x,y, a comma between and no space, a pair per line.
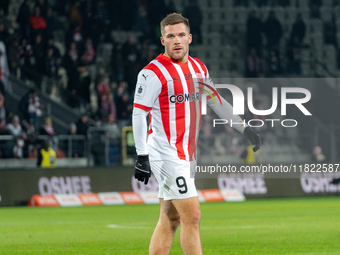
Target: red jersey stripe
145,108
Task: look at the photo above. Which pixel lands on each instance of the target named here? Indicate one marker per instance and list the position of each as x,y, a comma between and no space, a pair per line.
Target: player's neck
183,60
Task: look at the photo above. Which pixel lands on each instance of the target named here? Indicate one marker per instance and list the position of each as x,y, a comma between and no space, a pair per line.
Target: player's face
176,40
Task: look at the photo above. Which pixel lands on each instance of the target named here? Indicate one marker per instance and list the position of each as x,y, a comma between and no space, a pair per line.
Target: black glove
335,181
142,169
253,137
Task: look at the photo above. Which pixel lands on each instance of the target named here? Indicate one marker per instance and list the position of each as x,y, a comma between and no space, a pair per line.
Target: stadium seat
336,10
320,71
228,3
317,50
305,55
205,15
338,37
306,69
240,15
228,16
227,27
201,3
329,57
315,26
317,40
213,72
326,13
290,14
212,20
329,50
226,52
214,39
263,12
180,4
280,13
216,4
337,24
218,14
286,28
328,4
305,13
224,73
198,51
302,3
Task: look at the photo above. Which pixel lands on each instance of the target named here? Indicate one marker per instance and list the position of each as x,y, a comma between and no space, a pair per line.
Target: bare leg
190,215
167,225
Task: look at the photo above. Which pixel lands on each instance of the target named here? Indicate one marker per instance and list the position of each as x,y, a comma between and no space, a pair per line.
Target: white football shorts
174,179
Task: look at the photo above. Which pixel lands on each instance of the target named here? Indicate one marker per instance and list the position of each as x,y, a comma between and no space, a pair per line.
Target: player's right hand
142,169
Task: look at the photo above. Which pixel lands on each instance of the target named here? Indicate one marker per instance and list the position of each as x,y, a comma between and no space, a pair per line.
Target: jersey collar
161,56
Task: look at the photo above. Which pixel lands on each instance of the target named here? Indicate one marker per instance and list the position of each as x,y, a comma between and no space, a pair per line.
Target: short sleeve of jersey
148,88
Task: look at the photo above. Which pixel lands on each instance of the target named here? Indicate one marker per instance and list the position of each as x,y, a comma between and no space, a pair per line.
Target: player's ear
162,40
190,38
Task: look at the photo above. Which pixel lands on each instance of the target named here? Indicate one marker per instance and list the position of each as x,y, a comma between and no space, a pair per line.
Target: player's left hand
142,169
253,137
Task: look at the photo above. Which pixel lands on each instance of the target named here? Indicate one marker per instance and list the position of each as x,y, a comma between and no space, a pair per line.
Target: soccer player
166,92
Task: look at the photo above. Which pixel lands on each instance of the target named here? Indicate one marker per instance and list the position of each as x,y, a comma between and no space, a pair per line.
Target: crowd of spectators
276,56
277,60
32,49
35,58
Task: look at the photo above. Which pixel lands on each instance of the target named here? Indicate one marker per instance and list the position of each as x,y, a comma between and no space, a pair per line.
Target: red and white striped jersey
169,90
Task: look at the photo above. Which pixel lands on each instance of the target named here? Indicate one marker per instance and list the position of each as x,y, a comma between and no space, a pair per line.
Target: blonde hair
46,120
173,19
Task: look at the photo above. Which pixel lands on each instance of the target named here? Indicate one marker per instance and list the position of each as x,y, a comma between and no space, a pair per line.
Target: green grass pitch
262,226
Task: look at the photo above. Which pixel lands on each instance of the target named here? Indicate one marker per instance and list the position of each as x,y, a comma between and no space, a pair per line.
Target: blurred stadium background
67,75
76,63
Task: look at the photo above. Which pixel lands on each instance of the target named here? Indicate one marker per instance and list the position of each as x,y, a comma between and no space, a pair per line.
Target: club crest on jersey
140,91
188,76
